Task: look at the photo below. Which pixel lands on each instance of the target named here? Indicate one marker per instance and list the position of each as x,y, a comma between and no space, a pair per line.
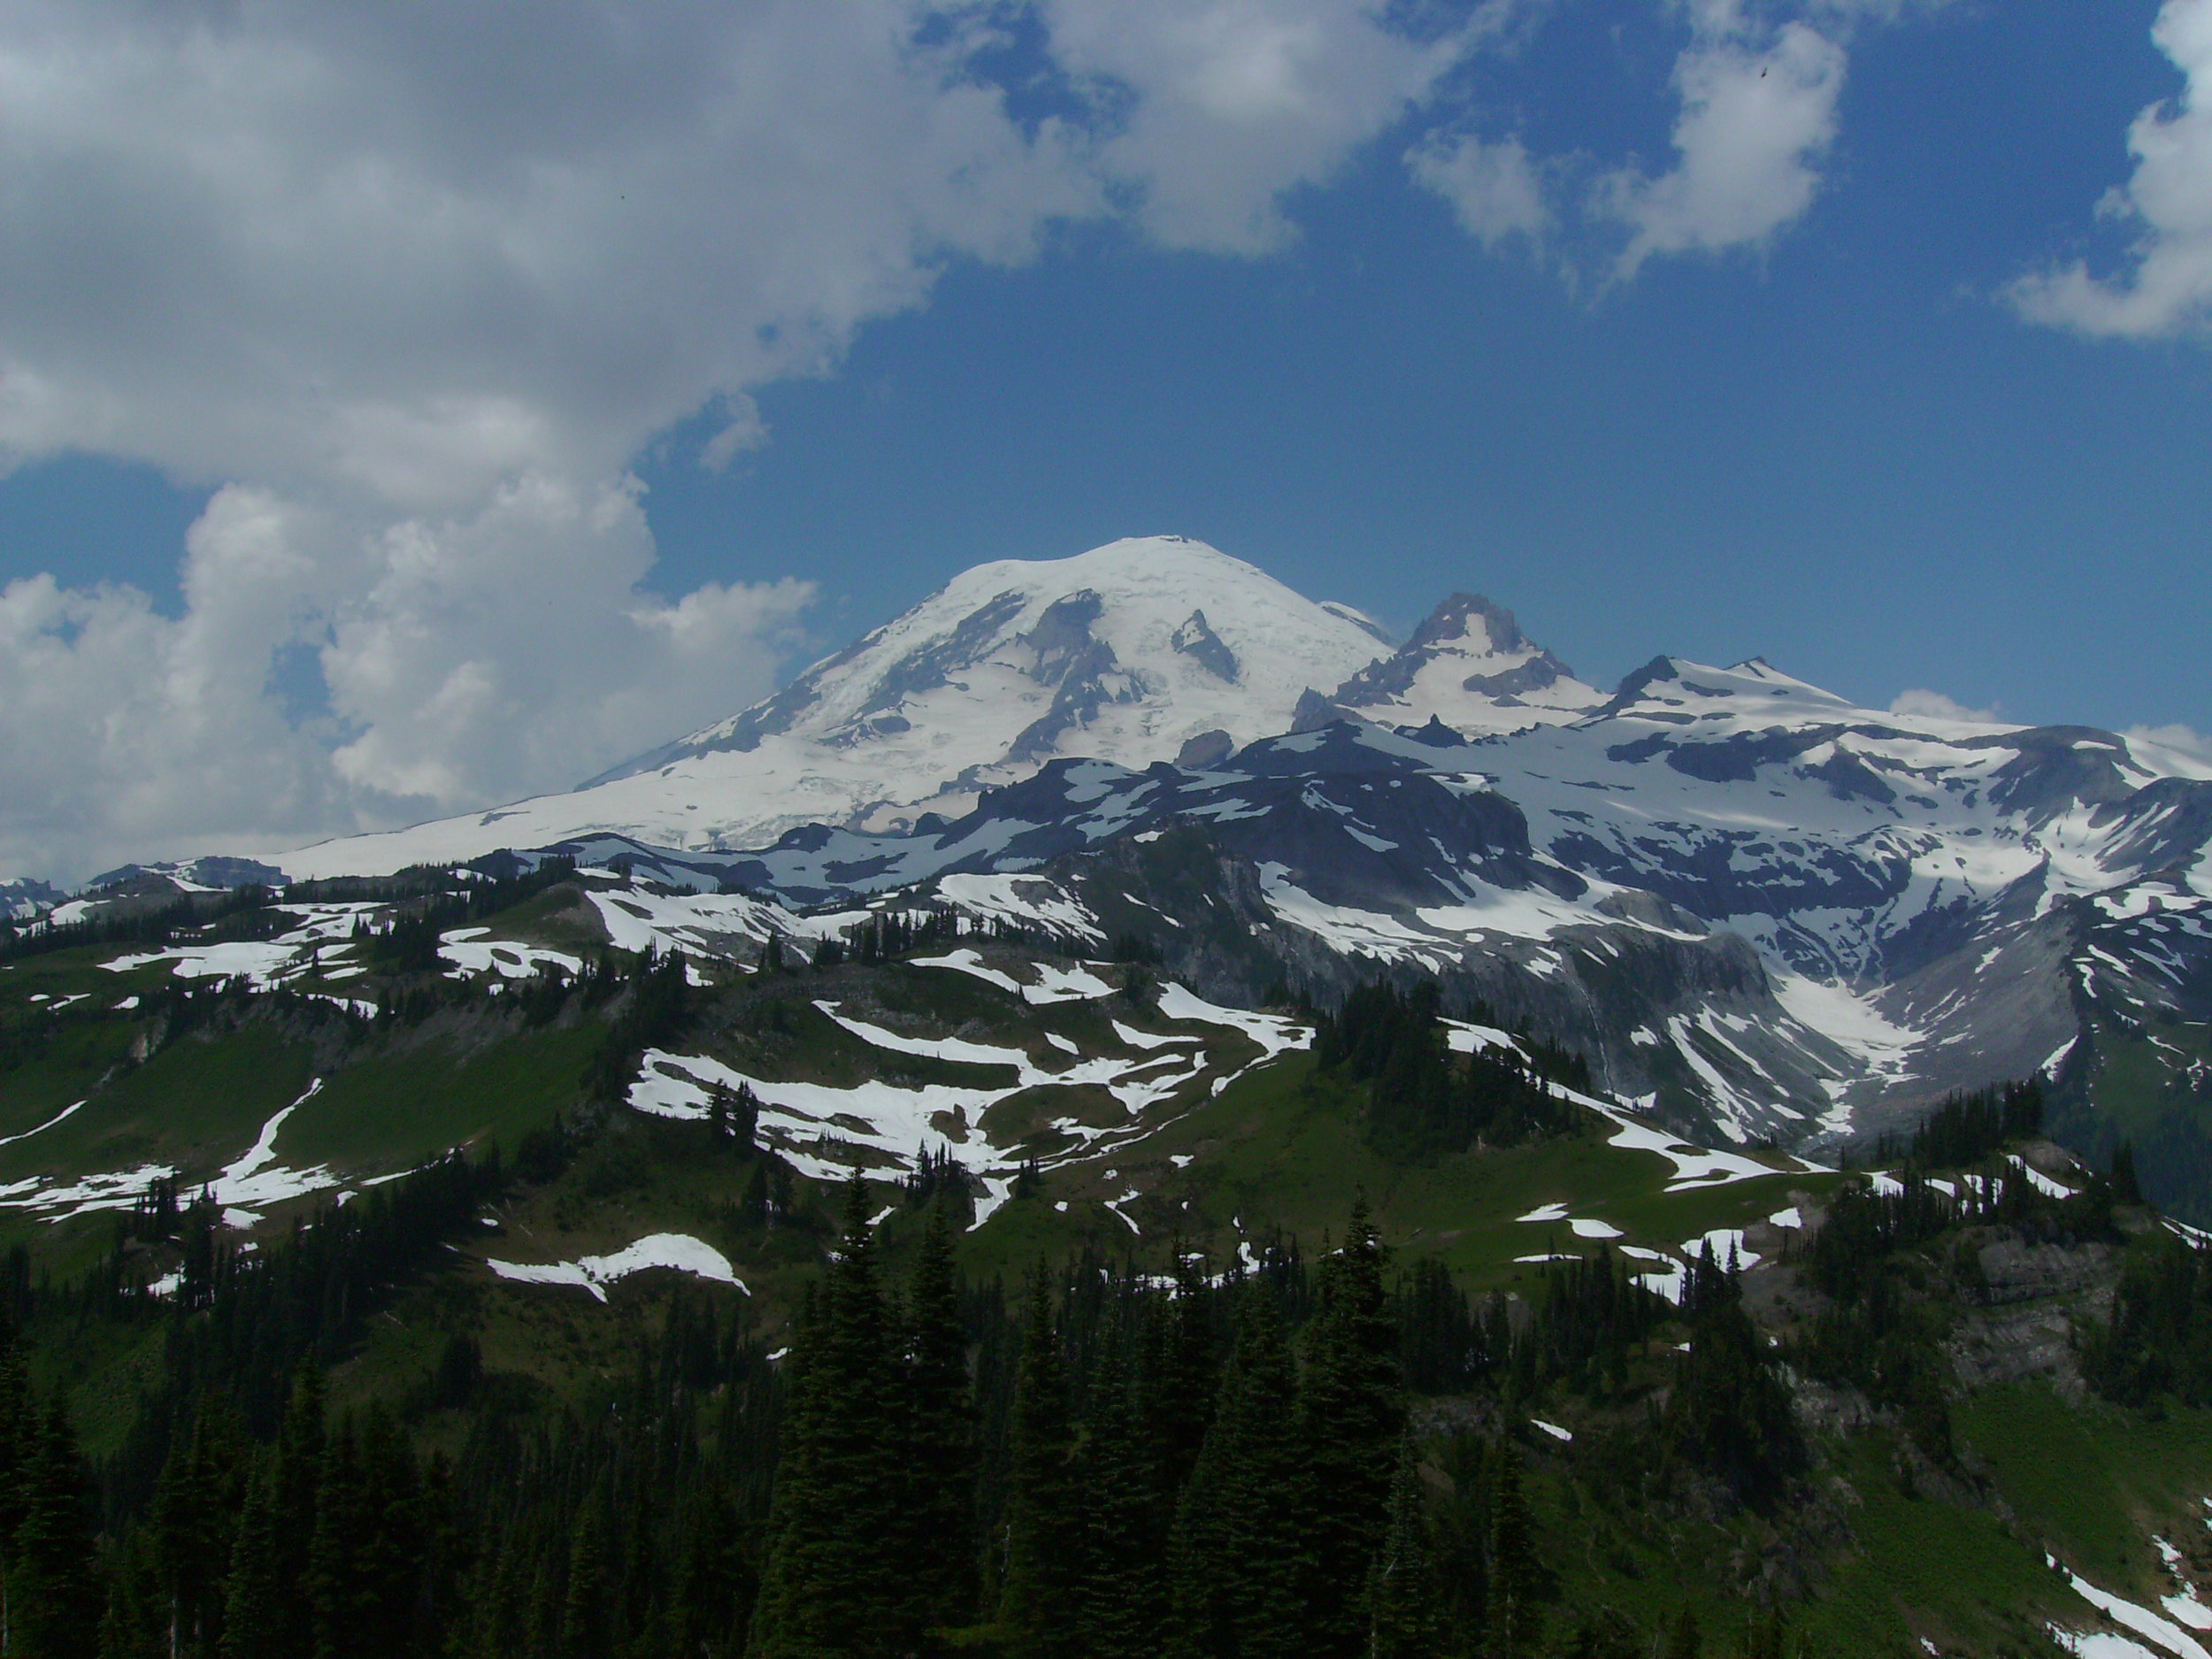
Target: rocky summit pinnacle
1468,666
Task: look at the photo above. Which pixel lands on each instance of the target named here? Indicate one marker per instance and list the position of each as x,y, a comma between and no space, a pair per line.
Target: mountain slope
1129,652
1766,912
1763,910
636,1256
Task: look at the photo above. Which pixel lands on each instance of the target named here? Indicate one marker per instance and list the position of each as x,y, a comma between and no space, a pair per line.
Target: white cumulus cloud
412,287
1758,117
1495,190
465,659
2166,287
1236,101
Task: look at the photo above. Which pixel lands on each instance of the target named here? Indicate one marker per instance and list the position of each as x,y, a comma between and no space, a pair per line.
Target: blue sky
453,537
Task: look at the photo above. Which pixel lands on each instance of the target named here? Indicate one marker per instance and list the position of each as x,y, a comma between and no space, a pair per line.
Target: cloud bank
411,288
2164,288
1758,114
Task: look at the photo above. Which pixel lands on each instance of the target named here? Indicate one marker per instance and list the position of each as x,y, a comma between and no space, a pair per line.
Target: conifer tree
1238,1562
195,1508
253,1590
1684,1640
1181,1385
133,1625
1039,1581
53,1603
1124,1596
1515,1614
940,1439
333,1587
584,1618
1351,1410
19,1435
831,1585
1767,1637
390,1546
18,1442
712,1596
1729,1412
1604,1633
2125,1188
541,1623
496,1620
1403,1621
296,1483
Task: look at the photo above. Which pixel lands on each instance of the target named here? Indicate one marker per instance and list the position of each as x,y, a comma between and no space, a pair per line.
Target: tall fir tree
391,1549
134,1625
335,1590
1729,1411
1039,1583
253,1590
1404,1620
18,1443
831,1585
1125,1520
196,1506
495,1625
1239,1563
1351,1412
53,1601
294,1497
1181,1383
586,1614
713,1592
940,1440
1516,1601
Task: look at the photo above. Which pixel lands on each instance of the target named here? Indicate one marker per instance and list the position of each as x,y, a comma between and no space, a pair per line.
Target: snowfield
677,1251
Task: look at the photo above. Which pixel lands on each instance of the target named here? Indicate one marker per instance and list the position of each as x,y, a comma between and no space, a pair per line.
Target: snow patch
677,1250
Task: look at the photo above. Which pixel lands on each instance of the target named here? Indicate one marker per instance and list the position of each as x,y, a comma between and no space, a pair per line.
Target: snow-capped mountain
1774,914
1470,667
21,898
1143,649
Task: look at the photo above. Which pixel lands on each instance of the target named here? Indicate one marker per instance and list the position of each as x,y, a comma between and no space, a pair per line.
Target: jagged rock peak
1455,618
1468,666
1199,642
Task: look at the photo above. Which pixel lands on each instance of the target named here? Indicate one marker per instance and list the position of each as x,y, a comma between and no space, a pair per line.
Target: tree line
1102,1461
1423,1100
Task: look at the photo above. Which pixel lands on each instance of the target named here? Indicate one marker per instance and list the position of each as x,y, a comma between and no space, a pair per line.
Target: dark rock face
23,898
1062,638
1345,851
205,873
1208,749
2169,822
2056,768
1204,647
1089,682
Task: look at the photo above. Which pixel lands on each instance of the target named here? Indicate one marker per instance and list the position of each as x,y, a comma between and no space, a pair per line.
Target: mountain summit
1469,666
1148,649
